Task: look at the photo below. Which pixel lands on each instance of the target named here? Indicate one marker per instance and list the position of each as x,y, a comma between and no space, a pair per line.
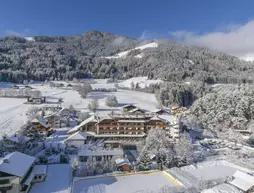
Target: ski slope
124,54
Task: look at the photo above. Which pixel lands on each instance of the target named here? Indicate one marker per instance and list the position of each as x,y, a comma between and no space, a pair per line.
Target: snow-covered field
13,110
142,81
57,181
12,115
124,54
124,184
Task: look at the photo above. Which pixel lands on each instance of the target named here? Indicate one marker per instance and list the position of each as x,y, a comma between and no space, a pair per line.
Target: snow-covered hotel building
127,127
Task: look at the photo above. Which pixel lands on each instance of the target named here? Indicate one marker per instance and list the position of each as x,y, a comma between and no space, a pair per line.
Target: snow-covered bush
111,101
93,105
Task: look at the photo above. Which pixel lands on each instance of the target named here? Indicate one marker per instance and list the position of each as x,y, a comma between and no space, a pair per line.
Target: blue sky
147,19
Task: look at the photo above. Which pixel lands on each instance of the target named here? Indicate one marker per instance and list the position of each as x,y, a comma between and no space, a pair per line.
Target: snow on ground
152,182
142,81
12,115
58,180
191,62
13,110
30,39
124,54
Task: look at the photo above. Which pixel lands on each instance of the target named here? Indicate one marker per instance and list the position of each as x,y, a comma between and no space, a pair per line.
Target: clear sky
145,19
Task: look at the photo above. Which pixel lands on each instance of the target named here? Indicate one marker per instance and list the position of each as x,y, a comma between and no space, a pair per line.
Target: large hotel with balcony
127,127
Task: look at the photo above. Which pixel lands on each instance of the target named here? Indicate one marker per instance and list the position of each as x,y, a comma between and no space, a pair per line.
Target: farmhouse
36,100
15,142
17,173
40,125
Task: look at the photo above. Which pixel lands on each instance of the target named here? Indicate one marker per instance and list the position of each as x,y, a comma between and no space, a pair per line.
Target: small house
123,164
17,173
178,110
78,139
41,125
36,100
15,142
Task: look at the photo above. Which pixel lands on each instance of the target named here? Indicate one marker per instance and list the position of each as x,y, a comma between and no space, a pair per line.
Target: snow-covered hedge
19,93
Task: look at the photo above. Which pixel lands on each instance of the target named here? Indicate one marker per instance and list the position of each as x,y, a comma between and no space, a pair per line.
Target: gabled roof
18,138
76,128
41,122
128,106
119,162
16,164
135,110
158,110
77,136
155,118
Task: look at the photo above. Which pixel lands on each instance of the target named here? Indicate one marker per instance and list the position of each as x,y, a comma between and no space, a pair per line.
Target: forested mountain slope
87,55
226,106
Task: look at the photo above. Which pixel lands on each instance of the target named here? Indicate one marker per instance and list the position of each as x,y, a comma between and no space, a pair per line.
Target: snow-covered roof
88,120
52,115
158,110
135,110
105,117
16,164
168,118
42,122
77,136
131,121
130,105
120,162
225,188
155,118
242,184
18,138
99,151
37,170
120,135
242,180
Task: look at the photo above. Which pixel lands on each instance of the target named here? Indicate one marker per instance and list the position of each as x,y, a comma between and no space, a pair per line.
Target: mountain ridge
82,56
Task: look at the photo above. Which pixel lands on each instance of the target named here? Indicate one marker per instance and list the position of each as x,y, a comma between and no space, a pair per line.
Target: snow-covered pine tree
145,161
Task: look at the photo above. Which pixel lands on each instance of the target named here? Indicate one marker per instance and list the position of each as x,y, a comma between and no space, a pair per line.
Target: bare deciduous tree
93,105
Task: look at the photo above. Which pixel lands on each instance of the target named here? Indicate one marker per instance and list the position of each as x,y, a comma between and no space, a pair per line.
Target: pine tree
145,161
